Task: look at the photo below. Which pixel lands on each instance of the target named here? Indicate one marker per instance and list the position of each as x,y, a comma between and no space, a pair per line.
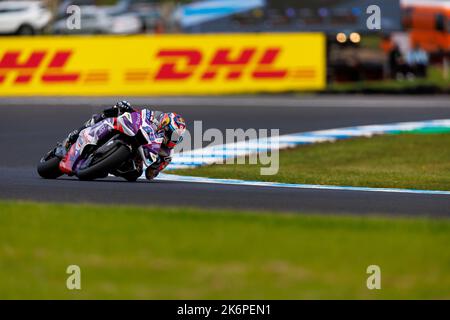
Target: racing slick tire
102,166
48,168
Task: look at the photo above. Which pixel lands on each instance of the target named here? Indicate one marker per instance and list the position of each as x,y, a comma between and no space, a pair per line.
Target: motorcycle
119,146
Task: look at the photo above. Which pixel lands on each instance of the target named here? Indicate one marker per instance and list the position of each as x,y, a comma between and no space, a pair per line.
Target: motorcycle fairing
149,152
88,136
129,123
141,123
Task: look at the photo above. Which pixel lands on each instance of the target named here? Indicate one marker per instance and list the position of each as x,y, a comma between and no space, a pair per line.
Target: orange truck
428,23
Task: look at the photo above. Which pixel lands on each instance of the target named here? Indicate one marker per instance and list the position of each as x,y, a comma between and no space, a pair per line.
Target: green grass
155,253
415,161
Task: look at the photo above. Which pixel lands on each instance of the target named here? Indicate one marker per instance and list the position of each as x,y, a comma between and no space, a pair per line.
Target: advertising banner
161,65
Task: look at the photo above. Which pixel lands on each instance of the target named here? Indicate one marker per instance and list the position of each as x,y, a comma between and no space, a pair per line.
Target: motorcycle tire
48,168
101,167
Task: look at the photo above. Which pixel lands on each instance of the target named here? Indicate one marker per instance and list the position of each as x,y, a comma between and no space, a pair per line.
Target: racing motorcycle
111,146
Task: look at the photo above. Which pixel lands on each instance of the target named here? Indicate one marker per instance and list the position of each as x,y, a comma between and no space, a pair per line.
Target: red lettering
60,77
26,69
23,78
168,71
265,65
222,59
55,72
10,62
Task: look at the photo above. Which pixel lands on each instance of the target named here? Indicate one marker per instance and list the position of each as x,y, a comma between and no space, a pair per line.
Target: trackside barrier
161,65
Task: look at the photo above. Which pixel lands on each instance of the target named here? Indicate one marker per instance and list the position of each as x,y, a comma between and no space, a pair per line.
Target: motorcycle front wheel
100,167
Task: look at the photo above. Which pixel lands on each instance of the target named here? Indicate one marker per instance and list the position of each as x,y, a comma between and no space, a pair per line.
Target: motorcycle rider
171,124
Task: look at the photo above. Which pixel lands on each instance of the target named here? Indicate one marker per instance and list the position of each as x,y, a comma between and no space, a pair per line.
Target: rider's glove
118,109
124,106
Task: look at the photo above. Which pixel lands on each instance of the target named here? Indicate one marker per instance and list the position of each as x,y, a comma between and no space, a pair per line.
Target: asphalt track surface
30,127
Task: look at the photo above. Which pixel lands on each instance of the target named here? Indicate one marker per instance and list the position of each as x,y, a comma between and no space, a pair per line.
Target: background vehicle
148,11
95,20
428,23
23,17
125,17
126,23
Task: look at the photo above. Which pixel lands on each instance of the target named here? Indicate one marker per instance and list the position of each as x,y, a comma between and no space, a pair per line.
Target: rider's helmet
174,126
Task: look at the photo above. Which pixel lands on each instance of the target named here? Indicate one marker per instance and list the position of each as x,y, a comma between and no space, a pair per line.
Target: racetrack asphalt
31,127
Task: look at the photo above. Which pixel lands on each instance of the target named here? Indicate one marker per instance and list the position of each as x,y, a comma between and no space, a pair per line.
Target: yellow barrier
157,65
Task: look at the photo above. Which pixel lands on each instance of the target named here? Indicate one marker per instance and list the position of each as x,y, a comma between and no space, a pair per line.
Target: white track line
177,178
216,154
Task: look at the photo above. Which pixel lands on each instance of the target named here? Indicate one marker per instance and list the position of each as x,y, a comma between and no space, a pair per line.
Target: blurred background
410,53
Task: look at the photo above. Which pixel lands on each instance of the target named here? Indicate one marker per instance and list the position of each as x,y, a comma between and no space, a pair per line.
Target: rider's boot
71,138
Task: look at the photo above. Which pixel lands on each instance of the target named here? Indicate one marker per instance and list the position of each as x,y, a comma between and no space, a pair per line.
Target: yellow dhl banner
161,65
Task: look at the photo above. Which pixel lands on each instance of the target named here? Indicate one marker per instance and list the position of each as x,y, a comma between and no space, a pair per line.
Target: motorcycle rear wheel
48,168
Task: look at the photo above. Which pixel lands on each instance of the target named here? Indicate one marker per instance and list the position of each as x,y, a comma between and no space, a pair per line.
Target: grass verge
156,253
435,82
415,161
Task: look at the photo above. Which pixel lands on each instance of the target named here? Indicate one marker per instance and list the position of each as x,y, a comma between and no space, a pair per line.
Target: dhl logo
221,59
181,65
24,70
172,65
